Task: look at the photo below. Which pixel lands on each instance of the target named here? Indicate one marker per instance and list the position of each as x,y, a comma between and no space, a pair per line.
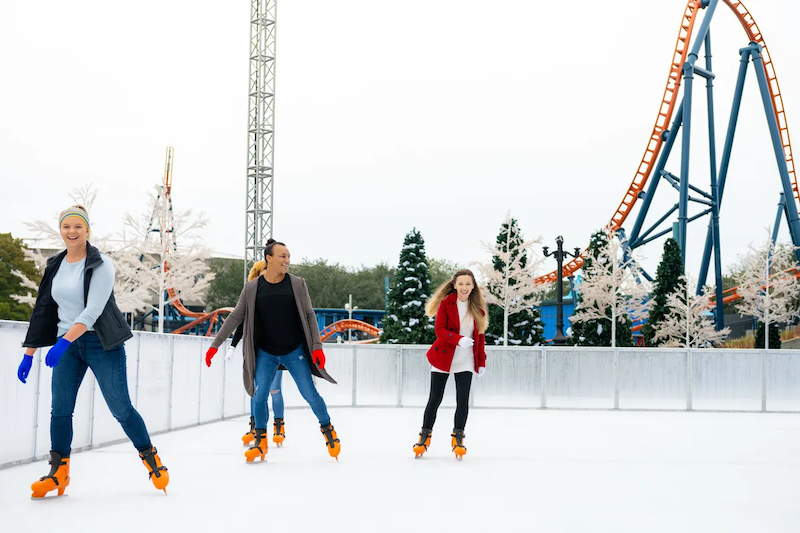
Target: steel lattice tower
260,130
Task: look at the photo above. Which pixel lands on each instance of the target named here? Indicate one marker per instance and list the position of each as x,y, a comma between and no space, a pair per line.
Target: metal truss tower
260,130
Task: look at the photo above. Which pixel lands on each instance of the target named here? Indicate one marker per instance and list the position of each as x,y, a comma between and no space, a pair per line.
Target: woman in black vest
76,314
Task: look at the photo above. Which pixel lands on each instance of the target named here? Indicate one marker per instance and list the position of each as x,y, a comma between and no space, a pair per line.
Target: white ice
526,470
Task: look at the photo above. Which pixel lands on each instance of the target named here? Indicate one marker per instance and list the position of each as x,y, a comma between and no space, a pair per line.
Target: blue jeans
277,397
112,376
295,362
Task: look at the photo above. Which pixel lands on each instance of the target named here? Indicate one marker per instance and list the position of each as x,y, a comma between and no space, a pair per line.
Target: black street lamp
560,339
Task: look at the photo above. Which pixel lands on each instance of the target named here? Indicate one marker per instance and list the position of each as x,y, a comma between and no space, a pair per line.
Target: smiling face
279,261
74,232
464,285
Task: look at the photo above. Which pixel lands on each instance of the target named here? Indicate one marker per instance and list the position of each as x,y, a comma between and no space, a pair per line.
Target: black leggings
438,382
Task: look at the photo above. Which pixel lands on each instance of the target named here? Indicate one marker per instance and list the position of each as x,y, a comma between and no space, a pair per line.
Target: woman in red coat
461,321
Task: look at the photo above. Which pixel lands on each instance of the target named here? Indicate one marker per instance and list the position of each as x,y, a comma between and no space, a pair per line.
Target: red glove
319,358
210,355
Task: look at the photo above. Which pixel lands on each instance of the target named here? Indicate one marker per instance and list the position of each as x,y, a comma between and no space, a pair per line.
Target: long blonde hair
258,266
477,305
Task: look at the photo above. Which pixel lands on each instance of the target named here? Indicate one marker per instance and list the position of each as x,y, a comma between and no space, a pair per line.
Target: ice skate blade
50,497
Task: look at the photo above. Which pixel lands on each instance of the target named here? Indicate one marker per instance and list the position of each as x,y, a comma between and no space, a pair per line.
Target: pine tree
610,296
18,279
405,321
668,275
509,283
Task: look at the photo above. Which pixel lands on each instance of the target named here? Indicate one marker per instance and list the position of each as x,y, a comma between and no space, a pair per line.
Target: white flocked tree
612,290
689,322
163,253
768,285
509,283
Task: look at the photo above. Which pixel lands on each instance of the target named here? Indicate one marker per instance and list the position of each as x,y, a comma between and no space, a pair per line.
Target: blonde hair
477,305
255,271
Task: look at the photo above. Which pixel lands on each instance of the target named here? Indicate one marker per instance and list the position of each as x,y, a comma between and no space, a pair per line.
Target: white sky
437,114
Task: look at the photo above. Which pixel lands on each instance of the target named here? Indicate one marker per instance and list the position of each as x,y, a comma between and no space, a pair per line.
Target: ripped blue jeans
277,397
297,365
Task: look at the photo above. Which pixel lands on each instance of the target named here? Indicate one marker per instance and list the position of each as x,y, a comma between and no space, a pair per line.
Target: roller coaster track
665,112
343,325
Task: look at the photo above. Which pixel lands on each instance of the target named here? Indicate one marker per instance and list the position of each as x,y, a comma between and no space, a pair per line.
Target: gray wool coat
245,312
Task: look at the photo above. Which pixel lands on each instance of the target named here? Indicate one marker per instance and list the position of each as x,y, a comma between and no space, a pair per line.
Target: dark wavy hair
269,246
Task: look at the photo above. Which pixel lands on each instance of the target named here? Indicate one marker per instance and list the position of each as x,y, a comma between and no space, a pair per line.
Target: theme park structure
652,169
674,117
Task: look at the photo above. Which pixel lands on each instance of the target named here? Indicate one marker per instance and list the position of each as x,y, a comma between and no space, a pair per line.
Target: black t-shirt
278,327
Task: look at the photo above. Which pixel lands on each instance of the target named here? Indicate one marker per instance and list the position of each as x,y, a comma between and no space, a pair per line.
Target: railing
172,388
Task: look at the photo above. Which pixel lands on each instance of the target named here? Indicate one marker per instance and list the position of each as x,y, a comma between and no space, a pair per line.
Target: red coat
447,330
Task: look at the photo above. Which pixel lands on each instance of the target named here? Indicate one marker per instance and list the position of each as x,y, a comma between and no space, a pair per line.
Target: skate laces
53,469
328,432
257,443
150,458
423,439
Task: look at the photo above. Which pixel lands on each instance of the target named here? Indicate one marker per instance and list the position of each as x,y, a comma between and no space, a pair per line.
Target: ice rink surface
525,470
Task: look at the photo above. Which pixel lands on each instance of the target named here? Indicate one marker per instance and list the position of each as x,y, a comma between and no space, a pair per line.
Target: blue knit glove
25,367
55,353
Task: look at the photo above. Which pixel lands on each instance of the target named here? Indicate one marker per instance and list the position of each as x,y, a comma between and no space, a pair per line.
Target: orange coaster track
667,107
343,325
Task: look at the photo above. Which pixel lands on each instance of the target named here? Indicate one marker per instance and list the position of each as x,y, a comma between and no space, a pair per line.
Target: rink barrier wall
172,388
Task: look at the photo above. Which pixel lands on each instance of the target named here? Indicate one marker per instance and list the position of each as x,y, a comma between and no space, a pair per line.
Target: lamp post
560,339
349,307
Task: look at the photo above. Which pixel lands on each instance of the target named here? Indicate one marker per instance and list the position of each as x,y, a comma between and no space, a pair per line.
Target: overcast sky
435,114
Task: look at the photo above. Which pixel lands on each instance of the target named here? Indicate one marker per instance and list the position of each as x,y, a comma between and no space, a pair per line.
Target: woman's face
74,232
280,259
464,286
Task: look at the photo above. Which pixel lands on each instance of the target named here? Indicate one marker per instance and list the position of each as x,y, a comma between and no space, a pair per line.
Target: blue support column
793,237
793,218
683,201
688,79
726,159
712,157
778,216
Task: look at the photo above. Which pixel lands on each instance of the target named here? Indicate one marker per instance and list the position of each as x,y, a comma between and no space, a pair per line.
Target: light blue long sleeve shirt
67,291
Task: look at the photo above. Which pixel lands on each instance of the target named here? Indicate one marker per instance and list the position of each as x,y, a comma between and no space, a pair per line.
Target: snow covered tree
165,258
509,288
768,285
688,322
612,296
405,321
668,276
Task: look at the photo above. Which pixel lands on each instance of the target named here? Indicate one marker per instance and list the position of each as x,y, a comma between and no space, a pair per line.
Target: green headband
74,213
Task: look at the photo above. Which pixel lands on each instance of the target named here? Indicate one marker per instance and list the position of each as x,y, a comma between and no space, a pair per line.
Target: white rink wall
172,388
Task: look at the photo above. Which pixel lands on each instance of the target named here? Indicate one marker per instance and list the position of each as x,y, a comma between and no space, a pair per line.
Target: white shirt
463,358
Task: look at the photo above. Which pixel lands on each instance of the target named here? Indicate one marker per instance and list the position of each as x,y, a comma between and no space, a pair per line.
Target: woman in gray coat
280,328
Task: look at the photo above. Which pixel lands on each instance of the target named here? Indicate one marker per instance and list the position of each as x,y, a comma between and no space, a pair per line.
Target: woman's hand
55,353
210,355
466,342
318,357
25,367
